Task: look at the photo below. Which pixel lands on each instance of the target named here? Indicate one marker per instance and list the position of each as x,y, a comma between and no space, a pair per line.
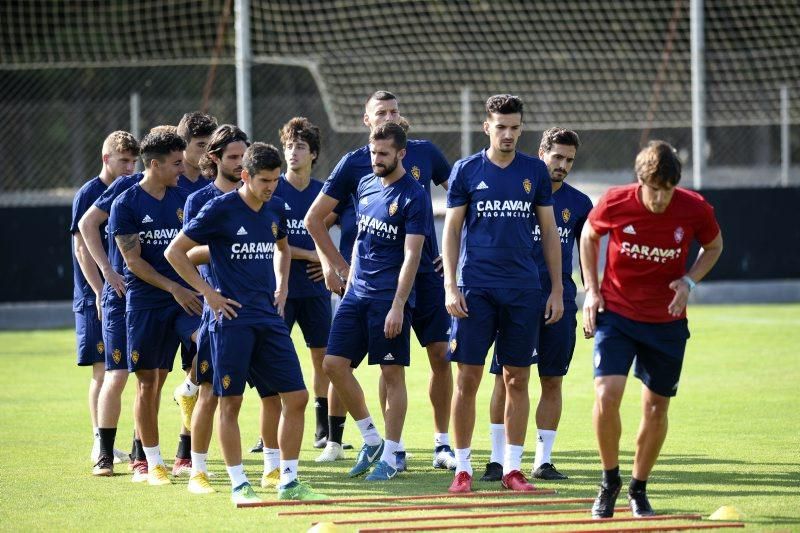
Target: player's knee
467,383
608,398
655,411
115,380
516,382
551,387
334,366
295,401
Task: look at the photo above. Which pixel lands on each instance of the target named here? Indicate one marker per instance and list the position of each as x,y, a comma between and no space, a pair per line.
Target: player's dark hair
658,164
558,136
404,123
301,129
159,143
380,96
390,131
222,137
261,156
503,104
196,124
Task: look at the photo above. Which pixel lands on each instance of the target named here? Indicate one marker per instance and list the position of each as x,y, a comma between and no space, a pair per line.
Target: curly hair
558,136
658,164
120,141
196,124
301,129
159,143
503,104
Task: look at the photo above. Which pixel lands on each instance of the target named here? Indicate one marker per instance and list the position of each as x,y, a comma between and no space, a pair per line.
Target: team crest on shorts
135,357
226,382
101,347
203,366
678,234
526,184
393,208
116,355
453,345
179,212
275,230
415,172
565,214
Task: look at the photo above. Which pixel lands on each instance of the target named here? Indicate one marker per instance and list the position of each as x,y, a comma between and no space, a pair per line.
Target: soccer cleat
104,466
182,467
186,403
516,481
461,483
158,476
383,471
444,458
366,458
320,442
139,472
640,505
333,452
548,472
604,503
259,446
95,455
120,457
244,493
494,472
270,480
199,484
299,490
400,458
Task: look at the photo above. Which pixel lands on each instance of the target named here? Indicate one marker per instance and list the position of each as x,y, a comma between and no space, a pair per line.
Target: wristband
690,282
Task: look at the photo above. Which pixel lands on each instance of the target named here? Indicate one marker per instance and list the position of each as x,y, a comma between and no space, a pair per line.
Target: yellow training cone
324,527
726,512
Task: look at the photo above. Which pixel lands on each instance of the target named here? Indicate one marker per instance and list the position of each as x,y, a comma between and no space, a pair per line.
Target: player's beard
232,177
383,171
558,177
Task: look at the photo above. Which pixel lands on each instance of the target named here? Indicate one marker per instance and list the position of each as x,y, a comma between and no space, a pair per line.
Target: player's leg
185,395
203,415
91,353
270,419
497,428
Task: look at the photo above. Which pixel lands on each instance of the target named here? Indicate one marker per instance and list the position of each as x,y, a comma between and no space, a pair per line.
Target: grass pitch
734,437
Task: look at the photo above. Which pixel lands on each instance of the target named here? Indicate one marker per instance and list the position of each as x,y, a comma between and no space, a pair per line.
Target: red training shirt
647,251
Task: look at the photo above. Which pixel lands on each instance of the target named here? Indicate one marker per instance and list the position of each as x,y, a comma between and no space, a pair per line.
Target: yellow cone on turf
324,527
726,512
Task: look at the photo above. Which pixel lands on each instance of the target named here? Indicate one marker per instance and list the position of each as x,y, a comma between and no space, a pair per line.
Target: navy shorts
509,317
155,334
358,330
262,354
658,349
314,317
115,334
89,336
429,318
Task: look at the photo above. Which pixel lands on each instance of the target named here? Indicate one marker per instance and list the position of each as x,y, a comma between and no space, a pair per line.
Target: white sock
544,447
272,459
237,475
153,456
401,446
441,439
288,471
96,433
368,431
189,388
464,459
389,447
513,458
199,462
497,432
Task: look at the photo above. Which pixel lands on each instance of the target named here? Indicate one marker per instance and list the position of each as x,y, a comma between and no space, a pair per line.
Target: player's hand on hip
592,304
393,324
455,303
314,271
553,309
280,301
187,299
438,266
115,281
681,298
221,306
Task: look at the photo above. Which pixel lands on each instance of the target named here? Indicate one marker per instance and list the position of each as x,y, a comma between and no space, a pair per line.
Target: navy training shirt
82,293
194,202
193,186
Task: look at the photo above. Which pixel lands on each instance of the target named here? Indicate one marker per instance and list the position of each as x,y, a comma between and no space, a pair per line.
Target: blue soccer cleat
382,472
400,459
444,458
368,456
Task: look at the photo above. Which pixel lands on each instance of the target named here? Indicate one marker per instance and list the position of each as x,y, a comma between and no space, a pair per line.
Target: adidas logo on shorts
146,219
241,231
629,230
482,186
388,357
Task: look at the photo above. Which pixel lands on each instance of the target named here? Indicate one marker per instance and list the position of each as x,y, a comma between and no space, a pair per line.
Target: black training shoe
640,505
258,448
606,500
320,442
548,471
494,472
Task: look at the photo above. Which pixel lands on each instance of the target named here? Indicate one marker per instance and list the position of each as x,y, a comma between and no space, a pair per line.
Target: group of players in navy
213,252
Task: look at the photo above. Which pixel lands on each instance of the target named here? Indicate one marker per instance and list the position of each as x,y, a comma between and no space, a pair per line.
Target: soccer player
119,152
161,312
493,195
244,230
426,164
639,311
394,214
557,341
195,128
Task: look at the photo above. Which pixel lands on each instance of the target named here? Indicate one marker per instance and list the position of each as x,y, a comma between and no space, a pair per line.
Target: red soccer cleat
182,467
461,483
515,480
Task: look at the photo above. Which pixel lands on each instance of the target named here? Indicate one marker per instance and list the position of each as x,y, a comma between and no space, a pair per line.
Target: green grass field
734,437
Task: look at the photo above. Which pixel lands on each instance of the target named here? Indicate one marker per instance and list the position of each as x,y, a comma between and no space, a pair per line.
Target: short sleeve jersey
156,222
497,238
570,207
194,203
297,204
346,212
82,293
647,251
192,186
386,214
423,161
242,244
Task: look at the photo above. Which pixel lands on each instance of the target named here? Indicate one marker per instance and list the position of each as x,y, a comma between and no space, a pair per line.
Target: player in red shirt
639,312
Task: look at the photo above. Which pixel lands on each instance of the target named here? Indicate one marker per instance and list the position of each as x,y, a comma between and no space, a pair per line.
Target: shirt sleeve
457,189
341,183
543,195
707,227
441,168
204,226
122,220
418,214
283,224
110,194
599,217
79,207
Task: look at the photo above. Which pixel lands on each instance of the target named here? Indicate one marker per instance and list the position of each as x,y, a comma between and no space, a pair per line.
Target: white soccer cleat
120,457
333,452
95,455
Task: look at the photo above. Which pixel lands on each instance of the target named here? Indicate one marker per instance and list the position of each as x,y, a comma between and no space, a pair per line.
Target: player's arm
131,251
199,255
89,227
334,267
412,251
551,247
89,269
706,259
330,220
178,254
282,261
455,302
303,254
593,302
